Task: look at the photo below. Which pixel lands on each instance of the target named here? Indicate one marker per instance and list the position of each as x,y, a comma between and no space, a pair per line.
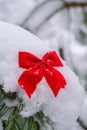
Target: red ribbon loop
39,68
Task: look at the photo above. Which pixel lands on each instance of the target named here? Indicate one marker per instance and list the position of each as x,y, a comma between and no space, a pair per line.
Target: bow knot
43,61
37,68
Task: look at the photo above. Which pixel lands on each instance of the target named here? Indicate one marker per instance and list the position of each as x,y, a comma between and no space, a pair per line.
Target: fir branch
65,5
3,110
44,121
32,124
85,17
36,122
9,95
15,121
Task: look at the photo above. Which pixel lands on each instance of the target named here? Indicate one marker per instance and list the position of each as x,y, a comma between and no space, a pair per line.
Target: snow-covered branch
63,5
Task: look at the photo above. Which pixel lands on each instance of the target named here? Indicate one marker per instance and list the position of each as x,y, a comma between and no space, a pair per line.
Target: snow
65,108
15,11
83,115
75,53
1,128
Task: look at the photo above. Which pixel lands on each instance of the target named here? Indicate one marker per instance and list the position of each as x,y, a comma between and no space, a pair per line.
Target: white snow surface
83,116
63,109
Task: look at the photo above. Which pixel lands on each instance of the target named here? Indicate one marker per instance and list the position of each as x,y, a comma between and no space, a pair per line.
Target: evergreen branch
49,16
44,121
65,5
16,122
3,110
28,17
36,122
11,123
9,95
85,17
32,124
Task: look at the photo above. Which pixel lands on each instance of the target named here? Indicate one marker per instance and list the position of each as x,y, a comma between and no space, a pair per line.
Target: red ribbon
39,68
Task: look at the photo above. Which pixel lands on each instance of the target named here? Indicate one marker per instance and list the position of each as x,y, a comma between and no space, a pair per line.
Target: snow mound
65,108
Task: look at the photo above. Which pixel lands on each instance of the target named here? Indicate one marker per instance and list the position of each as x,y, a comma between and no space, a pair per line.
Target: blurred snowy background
60,23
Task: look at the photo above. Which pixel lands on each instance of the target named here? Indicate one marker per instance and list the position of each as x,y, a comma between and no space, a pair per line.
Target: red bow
39,68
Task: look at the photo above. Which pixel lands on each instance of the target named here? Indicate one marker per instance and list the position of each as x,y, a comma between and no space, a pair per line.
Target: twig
81,124
61,52
76,4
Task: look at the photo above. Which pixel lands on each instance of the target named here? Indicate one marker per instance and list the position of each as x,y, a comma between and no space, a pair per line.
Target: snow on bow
39,68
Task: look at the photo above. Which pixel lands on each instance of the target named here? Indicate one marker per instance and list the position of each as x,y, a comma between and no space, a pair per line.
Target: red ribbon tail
28,81
55,79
